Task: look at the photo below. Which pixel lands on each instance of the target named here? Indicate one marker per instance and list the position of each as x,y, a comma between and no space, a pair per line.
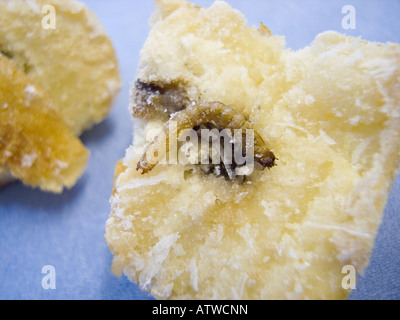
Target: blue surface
67,231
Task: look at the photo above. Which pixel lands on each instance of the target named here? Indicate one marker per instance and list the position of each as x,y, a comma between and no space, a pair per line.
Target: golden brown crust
119,168
35,143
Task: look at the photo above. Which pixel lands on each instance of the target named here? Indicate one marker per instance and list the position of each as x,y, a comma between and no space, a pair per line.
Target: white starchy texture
156,257
31,3
193,275
331,114
28,159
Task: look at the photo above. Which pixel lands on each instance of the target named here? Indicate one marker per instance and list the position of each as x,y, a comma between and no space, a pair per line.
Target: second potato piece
74,63
36,146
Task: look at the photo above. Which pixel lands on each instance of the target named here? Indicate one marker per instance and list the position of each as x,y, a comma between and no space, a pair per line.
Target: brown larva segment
213,113
150,99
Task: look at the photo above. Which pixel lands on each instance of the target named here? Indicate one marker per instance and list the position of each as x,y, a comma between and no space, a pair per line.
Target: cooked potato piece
36,146
331,115
74,63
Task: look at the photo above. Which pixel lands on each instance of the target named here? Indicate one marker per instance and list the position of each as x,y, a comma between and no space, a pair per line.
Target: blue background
67,230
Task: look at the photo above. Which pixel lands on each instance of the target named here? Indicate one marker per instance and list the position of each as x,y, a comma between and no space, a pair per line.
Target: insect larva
215,113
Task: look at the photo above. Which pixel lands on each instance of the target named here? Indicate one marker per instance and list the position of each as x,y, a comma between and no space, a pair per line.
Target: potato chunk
36,146
330,113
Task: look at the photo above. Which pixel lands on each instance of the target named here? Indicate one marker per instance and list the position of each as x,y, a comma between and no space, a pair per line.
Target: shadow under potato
99,132
34,199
